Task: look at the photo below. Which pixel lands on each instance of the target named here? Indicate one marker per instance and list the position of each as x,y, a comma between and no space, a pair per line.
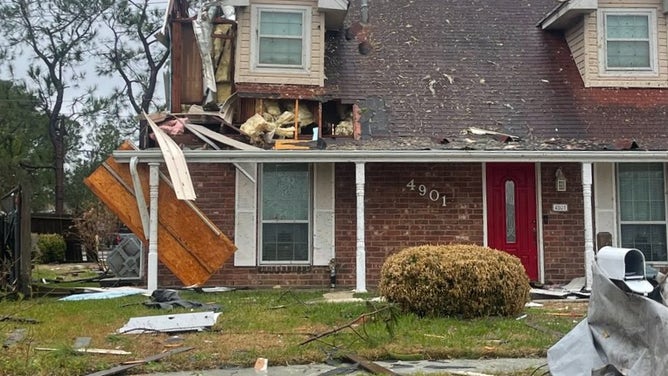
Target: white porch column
588,223
360,282
152,279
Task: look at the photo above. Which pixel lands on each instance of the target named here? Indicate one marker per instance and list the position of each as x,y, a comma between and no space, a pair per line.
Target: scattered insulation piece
344,128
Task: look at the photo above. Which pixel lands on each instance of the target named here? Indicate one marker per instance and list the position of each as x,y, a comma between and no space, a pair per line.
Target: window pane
280,51
627,41
642,199
511,231
650,239
285,192
641,192
286,197
281,24
281,38
627,26
285,242
628,54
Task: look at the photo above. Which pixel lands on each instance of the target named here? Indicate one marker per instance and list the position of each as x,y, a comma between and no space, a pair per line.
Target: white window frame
602,42
256,10
620,223
261,222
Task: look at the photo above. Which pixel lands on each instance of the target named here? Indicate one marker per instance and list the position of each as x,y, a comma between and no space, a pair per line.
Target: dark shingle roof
439,67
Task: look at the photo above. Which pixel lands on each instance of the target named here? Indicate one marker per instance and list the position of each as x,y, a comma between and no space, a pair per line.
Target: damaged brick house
332,133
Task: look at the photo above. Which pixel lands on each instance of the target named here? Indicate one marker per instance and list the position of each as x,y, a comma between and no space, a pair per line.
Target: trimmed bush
51,248
448,280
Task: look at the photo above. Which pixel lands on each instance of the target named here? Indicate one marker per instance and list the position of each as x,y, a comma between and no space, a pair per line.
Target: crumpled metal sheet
622,330
203,27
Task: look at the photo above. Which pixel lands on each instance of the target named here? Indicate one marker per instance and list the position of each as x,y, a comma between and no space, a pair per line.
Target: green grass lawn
264,323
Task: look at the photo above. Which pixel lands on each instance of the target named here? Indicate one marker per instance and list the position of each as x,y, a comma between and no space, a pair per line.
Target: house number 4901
433,195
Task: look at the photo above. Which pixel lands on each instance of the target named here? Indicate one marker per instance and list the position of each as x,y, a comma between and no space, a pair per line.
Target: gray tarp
624,330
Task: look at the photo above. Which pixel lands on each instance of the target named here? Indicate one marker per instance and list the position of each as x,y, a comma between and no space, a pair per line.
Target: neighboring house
534,127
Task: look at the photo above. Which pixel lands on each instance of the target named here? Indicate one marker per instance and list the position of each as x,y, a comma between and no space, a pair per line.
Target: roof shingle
439,67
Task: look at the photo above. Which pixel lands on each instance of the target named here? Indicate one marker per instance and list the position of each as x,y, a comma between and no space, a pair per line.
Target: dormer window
627,41
282,37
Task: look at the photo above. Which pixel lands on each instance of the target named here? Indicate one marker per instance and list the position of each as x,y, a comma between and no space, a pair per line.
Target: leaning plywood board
189,244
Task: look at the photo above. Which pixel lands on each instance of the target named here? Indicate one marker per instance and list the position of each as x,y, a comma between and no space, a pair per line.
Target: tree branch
360,319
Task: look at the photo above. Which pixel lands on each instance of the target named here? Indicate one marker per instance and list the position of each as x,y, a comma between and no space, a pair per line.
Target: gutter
395,156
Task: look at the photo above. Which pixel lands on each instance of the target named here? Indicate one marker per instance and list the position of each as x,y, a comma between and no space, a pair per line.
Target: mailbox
625,266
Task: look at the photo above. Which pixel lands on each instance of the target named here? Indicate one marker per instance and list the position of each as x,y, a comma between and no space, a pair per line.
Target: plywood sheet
189,244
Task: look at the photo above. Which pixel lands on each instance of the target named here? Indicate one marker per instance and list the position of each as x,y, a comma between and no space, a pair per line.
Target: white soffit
566,13
335,12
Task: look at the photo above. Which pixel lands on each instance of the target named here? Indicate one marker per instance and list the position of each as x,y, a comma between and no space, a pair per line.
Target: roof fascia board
335,12
395,156
563,15
237,3
325,5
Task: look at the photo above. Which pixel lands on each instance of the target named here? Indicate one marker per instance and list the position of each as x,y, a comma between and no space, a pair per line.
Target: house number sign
433,194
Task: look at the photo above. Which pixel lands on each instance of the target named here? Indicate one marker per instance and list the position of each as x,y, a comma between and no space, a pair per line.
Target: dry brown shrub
455,280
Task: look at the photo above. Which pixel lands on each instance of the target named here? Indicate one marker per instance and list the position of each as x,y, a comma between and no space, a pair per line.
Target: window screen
281,35
286,204
642,208
627,41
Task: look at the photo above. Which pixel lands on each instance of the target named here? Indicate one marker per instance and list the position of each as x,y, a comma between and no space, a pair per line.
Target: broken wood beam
18,319
124,367
90,351
372,367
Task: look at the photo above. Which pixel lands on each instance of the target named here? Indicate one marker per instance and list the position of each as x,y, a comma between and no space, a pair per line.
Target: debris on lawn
387,314
169,299
18,319
82,342
623,329
104,293
90,351
261,364
575,289
184,322
372,367
16,336
153,358
214,289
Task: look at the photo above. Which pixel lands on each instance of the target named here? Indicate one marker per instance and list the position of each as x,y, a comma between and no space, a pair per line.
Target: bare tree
133,53
57,37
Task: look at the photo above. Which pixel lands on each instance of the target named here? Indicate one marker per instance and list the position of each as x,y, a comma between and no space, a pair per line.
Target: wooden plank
295,144
90,351
370,366
189,244
170,252
185,222
124,367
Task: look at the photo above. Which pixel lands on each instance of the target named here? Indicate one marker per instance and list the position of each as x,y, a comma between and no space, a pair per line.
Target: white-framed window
281,38
628,41
285,206
642,208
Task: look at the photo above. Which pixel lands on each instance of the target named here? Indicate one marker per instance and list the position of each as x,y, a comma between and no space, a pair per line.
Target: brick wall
215,188
398,217
563,232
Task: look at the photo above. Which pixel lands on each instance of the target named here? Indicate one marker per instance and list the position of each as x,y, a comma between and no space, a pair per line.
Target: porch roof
397,156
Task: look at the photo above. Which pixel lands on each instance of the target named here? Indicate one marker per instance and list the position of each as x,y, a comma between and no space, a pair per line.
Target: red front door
511,212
